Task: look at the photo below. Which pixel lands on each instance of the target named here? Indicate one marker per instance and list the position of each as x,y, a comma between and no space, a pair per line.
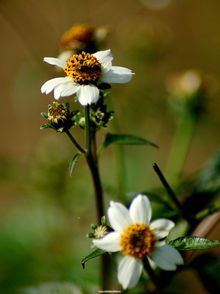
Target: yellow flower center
58,113
83,68
137,241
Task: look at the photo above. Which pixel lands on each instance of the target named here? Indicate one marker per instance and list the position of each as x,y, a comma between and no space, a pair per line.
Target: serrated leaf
73,162
193,243
97,252
125,139
46,126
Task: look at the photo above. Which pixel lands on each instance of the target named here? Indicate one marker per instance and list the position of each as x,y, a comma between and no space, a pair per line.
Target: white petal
162,227
87,94
117,74
106,67
110,243
118,215
65,89
58,90
69,89
104,57
167,257
55,61
65,55
129,271
49,85
140,209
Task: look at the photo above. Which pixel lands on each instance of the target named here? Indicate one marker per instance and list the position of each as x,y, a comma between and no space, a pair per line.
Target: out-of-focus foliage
45,213
54,288
206,186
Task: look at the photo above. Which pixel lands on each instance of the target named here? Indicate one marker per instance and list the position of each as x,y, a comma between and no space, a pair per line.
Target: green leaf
193,243
44,114
95,253
73,162
46,126
124,139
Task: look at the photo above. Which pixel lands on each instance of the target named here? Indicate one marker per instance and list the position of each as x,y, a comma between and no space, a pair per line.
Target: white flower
65,55
84,71
138,238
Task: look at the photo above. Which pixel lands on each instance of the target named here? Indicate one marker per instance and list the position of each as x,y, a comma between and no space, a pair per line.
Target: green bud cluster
99,231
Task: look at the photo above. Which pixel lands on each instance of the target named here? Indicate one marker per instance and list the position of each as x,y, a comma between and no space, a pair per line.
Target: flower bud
60,117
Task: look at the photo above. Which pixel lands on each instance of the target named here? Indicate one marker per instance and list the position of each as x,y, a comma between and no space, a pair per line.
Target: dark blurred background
45,213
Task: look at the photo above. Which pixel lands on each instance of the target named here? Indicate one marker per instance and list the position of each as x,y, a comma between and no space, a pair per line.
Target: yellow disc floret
100,232
83,68
58,113
137,241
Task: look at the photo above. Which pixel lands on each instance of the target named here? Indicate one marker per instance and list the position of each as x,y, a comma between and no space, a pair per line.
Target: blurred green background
45,213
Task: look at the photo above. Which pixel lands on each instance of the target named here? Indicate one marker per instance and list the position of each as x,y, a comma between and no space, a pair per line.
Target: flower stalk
75,143
91,158
92,161
169,190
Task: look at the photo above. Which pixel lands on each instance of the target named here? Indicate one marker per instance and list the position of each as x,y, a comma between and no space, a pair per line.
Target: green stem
169,190
88,130
180,146
91,157
75,143
92,161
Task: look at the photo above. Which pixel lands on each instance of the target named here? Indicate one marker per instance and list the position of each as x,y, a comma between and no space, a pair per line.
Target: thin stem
152,275
167,187
97,186
75,143
88,130
93,165
91,157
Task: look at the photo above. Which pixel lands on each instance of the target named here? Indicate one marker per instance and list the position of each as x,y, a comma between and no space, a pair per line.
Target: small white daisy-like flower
138,238
83,73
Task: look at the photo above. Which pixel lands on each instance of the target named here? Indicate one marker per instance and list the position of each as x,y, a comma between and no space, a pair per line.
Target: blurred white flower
185,84
138,238
84,71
